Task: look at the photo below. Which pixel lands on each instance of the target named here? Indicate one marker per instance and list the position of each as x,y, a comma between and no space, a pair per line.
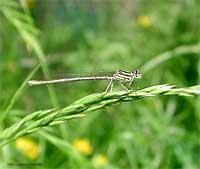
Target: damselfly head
137,74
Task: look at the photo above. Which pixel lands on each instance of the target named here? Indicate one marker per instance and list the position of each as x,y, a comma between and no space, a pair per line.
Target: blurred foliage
68,36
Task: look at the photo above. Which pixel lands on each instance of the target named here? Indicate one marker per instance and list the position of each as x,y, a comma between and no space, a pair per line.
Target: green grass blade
17,94
178,51
24,24
42,118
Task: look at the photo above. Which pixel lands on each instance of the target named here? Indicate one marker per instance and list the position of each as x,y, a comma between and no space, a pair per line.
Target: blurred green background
86,36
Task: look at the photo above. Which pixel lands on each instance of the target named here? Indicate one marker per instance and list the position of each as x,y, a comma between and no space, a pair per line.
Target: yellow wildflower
83,145
102,159
144,21
28,147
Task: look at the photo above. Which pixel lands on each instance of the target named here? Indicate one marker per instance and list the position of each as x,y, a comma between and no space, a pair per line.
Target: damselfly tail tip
32,82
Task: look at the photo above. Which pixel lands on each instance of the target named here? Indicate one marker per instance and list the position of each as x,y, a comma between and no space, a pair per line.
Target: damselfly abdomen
121,76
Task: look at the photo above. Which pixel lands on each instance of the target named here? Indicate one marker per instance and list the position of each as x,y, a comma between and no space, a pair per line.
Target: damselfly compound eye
137,74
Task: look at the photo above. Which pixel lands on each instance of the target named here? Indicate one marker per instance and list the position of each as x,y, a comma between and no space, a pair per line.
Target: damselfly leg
110,86
133,87
123,86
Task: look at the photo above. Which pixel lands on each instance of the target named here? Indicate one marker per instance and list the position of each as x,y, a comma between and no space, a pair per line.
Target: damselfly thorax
125,76
121,76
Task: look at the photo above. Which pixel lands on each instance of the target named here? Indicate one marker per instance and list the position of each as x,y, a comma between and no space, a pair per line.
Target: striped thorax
125,76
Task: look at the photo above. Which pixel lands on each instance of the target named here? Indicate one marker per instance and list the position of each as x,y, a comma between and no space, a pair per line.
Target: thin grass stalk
17,94
178,51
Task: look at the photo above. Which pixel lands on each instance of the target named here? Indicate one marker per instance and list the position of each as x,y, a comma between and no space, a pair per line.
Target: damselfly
121,76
